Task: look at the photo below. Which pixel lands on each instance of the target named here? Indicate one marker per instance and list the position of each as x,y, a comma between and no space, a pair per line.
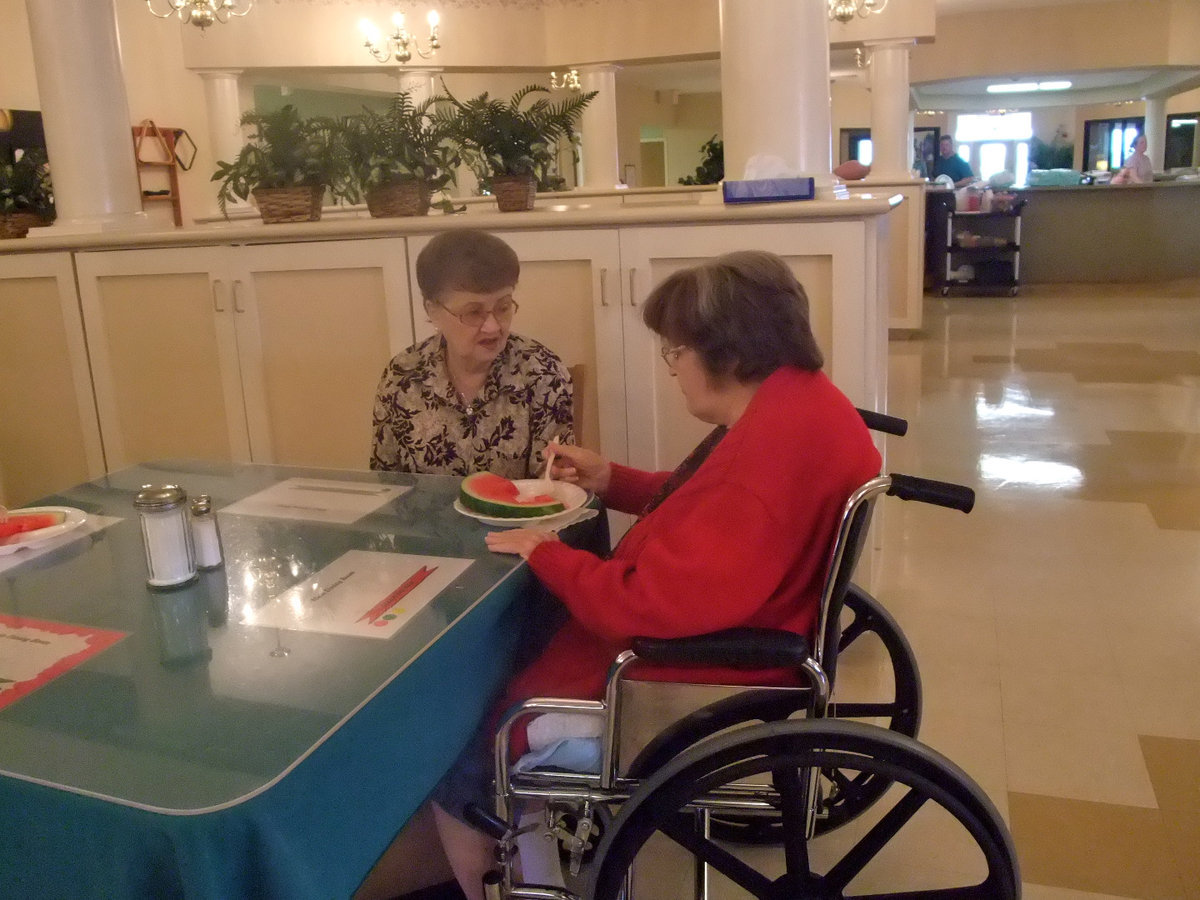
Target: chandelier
202,13
845,10
569,81
396,45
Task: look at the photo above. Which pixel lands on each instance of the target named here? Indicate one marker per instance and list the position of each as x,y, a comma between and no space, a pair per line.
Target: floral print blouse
422,425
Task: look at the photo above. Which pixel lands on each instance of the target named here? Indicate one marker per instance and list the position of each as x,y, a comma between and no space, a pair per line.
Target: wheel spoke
683,832
793,788
874,840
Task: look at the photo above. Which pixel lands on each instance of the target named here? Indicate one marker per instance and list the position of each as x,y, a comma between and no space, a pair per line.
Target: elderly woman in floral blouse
474,397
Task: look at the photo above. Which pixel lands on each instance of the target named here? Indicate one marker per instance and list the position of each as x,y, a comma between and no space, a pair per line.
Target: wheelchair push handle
939,493
878,421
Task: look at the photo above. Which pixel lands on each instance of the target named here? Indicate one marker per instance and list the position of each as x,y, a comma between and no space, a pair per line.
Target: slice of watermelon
19,524
491,495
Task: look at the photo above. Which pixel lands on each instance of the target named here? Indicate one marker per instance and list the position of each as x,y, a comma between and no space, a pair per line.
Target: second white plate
72,519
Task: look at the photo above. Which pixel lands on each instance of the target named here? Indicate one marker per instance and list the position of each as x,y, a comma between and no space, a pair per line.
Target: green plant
286,150
1058,154
407,142
498,137
25,186
712,165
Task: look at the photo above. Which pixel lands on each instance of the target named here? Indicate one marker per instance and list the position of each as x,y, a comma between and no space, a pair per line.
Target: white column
421,84
598,128
222,100
775,101
891,131
1156,130
85,113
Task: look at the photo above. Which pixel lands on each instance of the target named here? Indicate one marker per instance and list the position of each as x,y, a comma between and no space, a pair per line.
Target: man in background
950,163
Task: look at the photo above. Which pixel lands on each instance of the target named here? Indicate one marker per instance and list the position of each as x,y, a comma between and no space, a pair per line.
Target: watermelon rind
471,499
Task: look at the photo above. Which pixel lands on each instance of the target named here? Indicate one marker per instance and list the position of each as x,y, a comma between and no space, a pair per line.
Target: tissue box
768,190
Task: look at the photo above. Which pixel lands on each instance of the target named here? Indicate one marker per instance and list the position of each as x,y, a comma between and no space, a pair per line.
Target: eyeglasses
670,355
475,316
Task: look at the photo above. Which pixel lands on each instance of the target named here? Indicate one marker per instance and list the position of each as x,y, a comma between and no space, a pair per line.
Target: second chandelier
397,45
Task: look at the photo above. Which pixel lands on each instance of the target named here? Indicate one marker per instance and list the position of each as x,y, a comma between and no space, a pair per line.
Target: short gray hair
744,313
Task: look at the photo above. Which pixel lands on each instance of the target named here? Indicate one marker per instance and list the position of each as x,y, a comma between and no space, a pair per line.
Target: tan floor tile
1047,697
1174,767
1028,644
1183,840
1083,762
1043,892
1097,847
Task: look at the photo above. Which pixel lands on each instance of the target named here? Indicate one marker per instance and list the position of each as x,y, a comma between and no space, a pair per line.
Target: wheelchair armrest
735,648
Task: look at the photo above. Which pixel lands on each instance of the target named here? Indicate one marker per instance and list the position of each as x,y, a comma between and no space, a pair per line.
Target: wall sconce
396,45
201,13
845,10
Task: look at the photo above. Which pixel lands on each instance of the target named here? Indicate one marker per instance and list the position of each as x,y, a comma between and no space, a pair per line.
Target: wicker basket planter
31,219
514,193
12,227
300,203
400,198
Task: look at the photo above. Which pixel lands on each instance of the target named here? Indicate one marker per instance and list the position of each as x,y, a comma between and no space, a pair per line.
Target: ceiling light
1020,87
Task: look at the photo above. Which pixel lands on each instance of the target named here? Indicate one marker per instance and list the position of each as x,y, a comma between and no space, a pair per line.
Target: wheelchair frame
817,746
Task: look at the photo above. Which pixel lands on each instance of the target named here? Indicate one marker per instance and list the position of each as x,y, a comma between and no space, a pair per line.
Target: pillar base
137,221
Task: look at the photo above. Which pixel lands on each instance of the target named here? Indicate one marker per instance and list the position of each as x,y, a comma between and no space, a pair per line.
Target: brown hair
744,313
466,260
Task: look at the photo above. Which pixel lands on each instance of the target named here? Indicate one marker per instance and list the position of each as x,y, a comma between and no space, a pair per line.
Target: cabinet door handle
633,287
237,307
216,292
604,286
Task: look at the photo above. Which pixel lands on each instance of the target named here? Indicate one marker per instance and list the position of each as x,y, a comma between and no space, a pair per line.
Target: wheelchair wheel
933,804
866,626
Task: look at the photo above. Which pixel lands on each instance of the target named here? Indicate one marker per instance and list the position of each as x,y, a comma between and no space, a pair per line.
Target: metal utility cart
982,251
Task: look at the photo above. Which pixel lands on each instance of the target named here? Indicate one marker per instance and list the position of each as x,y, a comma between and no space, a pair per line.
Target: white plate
572,496
72,519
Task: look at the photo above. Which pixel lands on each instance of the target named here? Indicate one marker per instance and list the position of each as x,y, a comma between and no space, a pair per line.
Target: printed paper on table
34,652
317,500
362,593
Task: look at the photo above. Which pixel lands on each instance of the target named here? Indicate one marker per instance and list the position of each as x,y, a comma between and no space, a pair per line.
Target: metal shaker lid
201,505
159,497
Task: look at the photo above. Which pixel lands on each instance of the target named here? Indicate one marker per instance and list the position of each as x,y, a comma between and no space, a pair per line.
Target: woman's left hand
518,540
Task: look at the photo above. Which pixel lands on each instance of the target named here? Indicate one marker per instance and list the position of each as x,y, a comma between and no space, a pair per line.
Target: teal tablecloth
248,774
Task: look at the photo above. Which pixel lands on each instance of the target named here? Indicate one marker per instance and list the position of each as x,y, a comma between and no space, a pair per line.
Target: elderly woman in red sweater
738,535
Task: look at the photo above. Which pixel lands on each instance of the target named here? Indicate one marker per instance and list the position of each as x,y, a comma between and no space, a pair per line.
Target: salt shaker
205,535
167,534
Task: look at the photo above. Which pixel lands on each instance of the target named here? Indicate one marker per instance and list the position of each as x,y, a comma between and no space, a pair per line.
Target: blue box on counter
768,190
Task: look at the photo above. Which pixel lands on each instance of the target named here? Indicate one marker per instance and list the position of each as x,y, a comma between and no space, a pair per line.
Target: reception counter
1105,233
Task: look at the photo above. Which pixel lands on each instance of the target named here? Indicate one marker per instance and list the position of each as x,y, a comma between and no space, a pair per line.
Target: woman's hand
589,470
521,541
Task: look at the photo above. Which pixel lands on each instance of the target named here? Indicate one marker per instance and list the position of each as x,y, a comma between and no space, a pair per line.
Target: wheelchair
777,792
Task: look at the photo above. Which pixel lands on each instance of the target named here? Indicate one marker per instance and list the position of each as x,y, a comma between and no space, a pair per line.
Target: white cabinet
49,437
837,263
570,300
268,353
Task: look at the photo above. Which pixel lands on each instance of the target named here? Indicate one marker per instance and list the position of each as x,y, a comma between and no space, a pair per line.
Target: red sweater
744,542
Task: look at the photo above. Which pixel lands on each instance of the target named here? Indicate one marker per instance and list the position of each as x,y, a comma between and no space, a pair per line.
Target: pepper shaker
167,535
205,534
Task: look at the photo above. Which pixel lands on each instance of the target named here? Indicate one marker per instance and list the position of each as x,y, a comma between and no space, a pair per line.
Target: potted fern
401,157
287,165
26,196
510,146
